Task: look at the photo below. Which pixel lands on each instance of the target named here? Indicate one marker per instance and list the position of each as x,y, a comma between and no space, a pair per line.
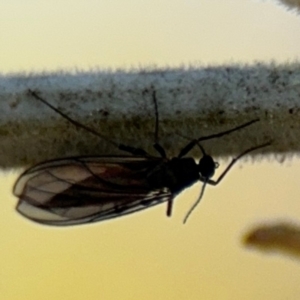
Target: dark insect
79,190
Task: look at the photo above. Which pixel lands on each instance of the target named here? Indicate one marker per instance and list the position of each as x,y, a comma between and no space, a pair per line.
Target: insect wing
87,189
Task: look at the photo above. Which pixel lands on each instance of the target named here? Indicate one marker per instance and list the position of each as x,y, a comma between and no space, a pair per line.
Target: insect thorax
176,174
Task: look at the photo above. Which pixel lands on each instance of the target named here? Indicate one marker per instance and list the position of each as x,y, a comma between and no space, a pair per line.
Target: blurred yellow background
147,255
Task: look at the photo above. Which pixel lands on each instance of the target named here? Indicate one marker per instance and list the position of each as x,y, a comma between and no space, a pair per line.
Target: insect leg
132,150
77,124
194,142
169,207
159,148
156,144
185,150
234,160
212,136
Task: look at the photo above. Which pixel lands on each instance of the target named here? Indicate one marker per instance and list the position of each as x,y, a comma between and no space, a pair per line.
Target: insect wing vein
87,189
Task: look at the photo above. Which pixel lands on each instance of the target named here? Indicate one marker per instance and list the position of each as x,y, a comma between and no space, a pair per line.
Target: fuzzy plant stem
191,102
291,4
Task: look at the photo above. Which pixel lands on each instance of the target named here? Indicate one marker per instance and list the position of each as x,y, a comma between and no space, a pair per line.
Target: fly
86,189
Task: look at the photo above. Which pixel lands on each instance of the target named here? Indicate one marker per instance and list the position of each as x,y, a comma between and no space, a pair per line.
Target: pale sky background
147,255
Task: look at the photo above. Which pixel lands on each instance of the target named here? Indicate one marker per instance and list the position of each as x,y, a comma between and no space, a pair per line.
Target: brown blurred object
280,237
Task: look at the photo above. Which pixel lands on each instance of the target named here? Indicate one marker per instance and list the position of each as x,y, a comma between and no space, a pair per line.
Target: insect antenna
202,189
196,203
206,179
235,159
